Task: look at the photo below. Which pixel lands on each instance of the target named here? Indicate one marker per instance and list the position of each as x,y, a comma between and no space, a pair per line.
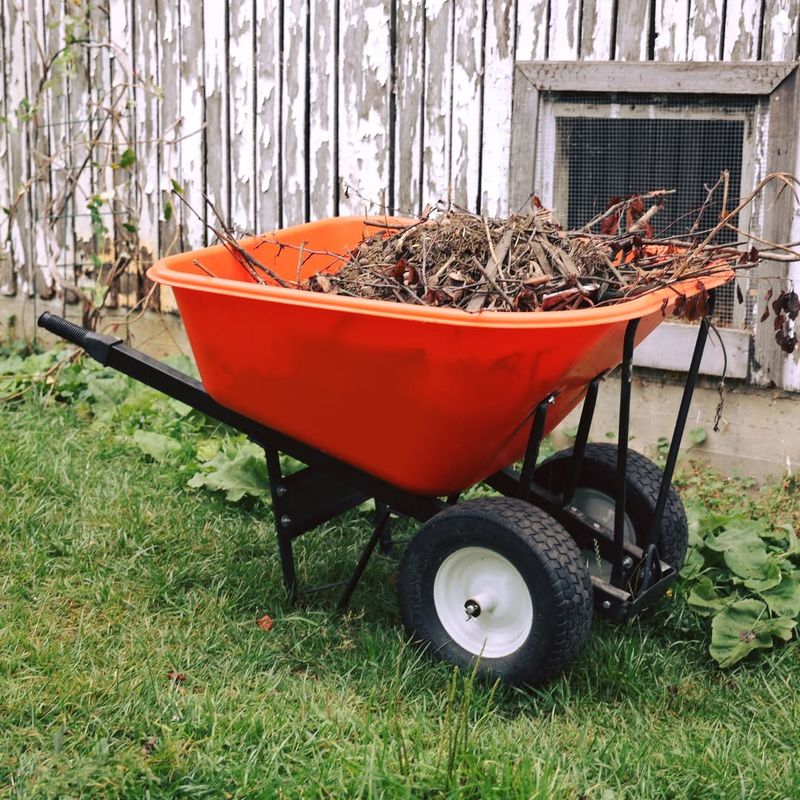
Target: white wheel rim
600,507
505,617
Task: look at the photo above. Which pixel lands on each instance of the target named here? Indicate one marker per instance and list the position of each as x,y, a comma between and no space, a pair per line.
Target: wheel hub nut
484,601
472,608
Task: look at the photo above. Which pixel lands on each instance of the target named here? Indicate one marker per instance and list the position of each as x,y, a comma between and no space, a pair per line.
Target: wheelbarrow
413,405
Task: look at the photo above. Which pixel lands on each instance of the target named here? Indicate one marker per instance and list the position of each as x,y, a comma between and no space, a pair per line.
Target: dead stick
622,204
645,218
299,262
205,269
491,270
228,239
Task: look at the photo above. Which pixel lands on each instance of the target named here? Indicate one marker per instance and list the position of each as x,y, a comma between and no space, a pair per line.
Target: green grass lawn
113,574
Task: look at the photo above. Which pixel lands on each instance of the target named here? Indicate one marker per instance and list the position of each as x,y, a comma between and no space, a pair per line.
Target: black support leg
677,434
626,377
282,522
532,450
581,438
381,521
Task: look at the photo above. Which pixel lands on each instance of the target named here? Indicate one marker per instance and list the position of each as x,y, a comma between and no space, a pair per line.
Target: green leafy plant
236,468
743,573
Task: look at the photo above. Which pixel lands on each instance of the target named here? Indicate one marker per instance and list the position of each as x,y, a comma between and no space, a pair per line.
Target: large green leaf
742,547
693,565
771,576
704,598
155,445
238,474
695,512
743,627
207,449
709,522
784,599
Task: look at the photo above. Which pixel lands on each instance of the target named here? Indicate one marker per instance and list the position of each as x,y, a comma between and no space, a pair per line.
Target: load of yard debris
449,257
525,262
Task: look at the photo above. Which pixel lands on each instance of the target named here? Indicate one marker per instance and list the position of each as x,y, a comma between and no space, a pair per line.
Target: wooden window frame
776,82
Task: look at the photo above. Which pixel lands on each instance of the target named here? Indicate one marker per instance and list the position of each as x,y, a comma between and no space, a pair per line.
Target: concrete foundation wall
759,433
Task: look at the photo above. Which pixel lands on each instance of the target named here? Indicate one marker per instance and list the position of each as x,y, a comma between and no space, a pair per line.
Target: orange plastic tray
432,400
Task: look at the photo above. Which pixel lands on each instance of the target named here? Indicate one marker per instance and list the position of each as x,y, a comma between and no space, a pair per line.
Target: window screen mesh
610,147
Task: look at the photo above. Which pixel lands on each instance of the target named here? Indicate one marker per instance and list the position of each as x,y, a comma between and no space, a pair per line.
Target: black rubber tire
550,563
644,481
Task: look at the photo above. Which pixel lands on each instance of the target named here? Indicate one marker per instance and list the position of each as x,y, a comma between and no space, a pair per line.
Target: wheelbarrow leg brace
626,376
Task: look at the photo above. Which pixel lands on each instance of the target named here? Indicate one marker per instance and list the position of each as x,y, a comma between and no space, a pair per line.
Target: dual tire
499,586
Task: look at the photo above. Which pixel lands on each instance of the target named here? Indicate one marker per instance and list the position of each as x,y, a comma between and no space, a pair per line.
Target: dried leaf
791,305
610,225
399,270
323,283
265,622
739,295
702,302
526,300
634,210
690,310
787,342
176,677
149,745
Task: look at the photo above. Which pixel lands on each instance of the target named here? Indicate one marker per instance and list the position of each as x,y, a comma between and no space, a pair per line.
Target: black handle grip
97,345
63,328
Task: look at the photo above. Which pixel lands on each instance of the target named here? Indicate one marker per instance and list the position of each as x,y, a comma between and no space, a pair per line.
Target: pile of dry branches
525,262
449,257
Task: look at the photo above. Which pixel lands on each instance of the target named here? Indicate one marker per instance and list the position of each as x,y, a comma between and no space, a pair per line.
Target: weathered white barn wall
271,106
285,110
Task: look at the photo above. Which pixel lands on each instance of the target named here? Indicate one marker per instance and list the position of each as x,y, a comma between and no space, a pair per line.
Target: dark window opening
616,158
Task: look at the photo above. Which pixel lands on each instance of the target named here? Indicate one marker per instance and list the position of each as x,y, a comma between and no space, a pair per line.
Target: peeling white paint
241,90
498,80
267,58
363,113
705,28
565,30
294,92
780,30
437,121
596,30
742,27
531,30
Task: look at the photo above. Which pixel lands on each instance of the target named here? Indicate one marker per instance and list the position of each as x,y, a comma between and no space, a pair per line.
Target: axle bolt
286,520
627,562
606,604
280,490
472,608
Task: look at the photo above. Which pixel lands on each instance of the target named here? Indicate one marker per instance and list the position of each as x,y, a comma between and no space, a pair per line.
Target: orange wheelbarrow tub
429,399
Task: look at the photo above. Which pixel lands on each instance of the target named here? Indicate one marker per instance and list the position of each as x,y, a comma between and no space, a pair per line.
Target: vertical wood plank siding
273,108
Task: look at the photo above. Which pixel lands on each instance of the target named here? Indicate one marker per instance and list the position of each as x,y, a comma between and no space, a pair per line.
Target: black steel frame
326,487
